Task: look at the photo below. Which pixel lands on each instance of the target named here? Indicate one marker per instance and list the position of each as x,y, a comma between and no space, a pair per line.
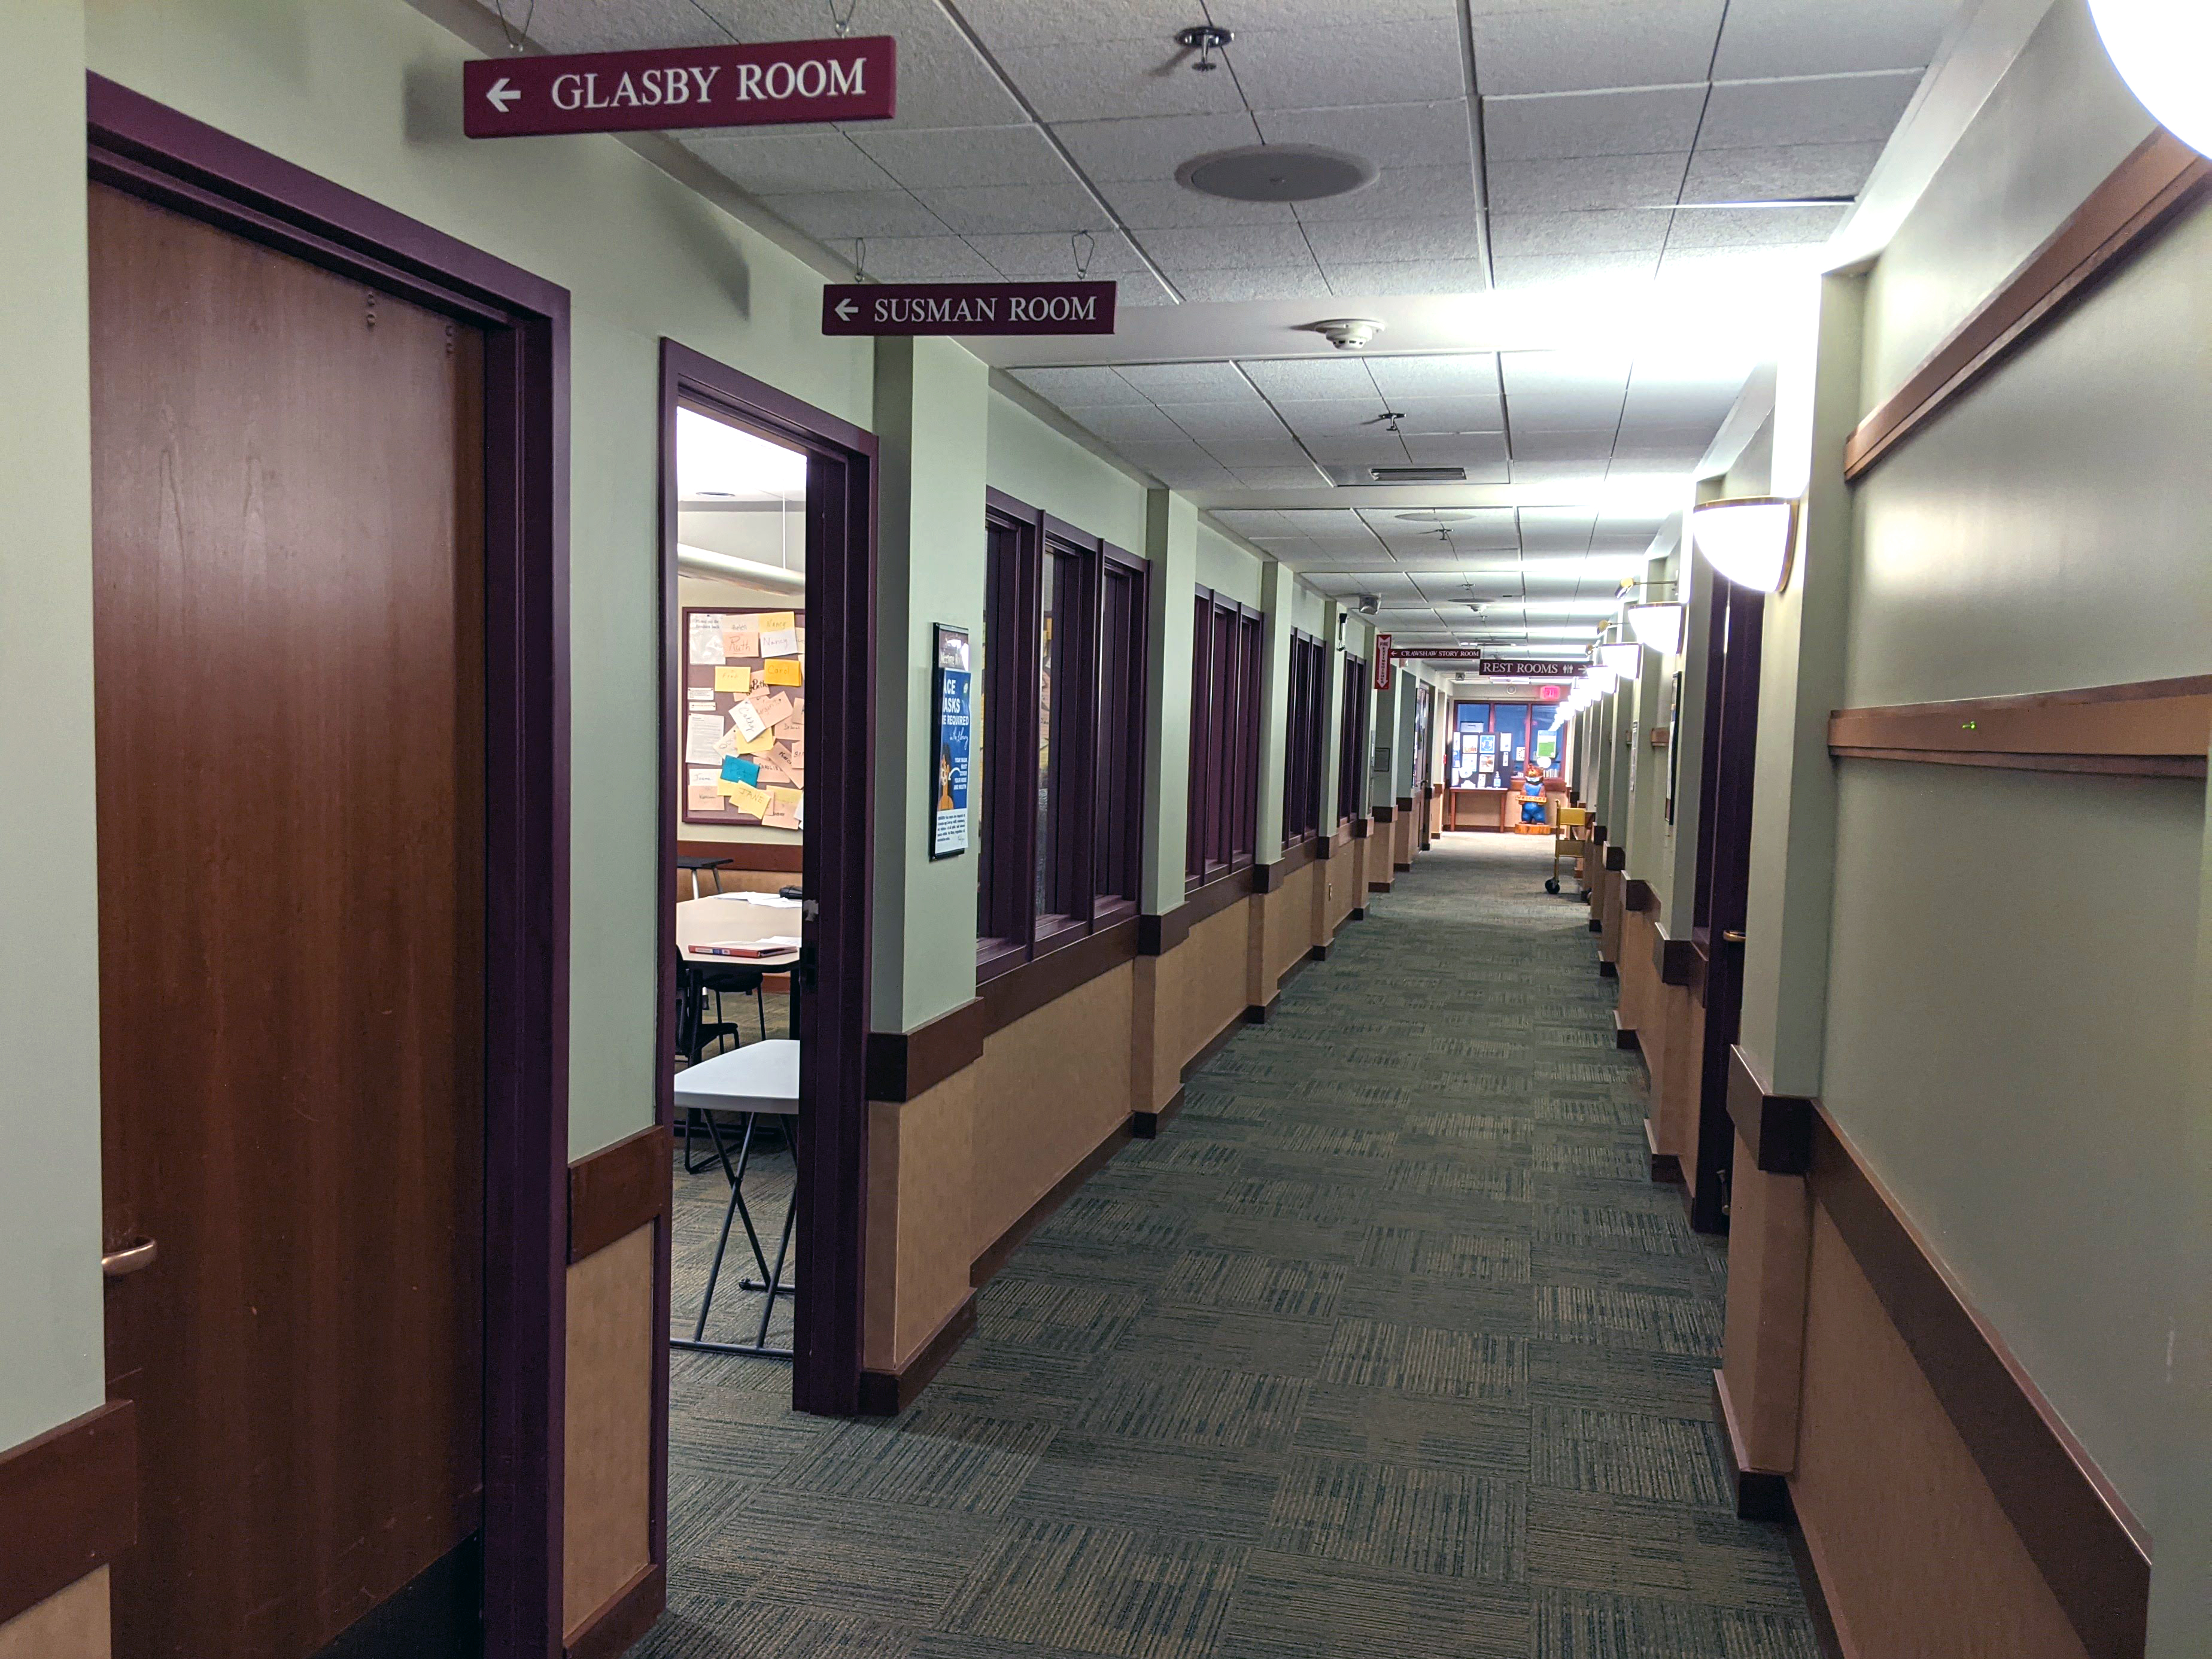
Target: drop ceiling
1542,164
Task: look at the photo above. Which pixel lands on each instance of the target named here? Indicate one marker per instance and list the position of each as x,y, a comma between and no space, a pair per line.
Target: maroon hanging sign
675,87
968,308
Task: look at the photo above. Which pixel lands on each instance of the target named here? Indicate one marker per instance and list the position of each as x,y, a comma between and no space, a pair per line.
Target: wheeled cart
1571,845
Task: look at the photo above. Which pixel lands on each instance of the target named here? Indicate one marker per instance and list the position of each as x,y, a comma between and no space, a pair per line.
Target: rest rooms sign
769,85
968,308
1532,668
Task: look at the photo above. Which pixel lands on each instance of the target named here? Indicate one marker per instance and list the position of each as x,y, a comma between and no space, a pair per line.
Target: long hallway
1387,1347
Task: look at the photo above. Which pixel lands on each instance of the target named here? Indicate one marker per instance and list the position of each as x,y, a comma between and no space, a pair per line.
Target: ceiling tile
1099,80
1050,255
1580,48
1144,205
1066,207
1683,456
1227,422
1230,247
1359,415
1151,146
1562,412
1010,23
1132,425
946,157
1818,37
1376,61
1484,527
1402,193
1828,109
1526,372
1452,374
1187,383
1405,134
1376,241
870,213
1586,181
919,259
1356,449
1078,388
1239,454
1739,266
943,79
1664,406
1528,270
595,26
779,163
1143,290
1357,279
1292,282
1298,379
1305,476
1430,418
1618,231
1753,227
1622,121
1757,175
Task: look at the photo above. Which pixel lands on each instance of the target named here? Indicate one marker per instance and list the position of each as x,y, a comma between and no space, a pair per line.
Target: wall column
1276,588
1172,551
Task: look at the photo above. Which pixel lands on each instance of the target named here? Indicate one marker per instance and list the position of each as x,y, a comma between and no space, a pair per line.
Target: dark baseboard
1596,925
1401,868
438,1615
1760,1494
886,1393
1666,1168
996,1252
1358,913
1258,1013
1624,1036
69,1504
1606,970
622,1621
1319,953
1146,1126
1378,886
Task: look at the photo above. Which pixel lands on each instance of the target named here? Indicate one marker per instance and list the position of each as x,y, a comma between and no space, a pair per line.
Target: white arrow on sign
500,93
845,310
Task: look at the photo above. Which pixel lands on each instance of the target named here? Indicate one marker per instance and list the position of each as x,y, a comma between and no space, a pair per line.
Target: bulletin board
744,731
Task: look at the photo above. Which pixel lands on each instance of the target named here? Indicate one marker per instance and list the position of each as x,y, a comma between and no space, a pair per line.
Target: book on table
746,949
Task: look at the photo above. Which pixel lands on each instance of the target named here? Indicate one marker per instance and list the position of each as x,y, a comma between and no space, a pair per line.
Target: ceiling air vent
1418,474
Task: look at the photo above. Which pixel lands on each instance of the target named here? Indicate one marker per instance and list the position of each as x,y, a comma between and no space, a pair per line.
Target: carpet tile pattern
1387,1347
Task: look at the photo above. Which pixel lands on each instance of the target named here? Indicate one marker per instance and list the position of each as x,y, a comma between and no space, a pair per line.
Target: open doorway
768,586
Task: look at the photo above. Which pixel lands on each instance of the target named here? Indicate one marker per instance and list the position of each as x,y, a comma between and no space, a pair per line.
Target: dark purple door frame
155,153
836,865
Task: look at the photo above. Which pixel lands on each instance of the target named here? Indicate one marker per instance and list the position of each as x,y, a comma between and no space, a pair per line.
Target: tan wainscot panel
920,1173
1914,1553
1638,974
70,1623
1054,1085
1682,1101
1280,924
1202,982
607,1498
1770,1222
1670,1047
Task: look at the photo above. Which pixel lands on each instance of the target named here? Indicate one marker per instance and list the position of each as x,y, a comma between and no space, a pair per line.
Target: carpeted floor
1387,1347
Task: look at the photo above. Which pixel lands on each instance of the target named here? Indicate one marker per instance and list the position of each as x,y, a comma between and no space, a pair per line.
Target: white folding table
756,1082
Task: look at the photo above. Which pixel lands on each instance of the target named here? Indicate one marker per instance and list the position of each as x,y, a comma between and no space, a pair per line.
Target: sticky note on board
755,745
746,798
734,679
738,769
773,708
772,772
727,789
779,642
746,719
782,670
770,621
704,798
780,819
788,799
702,776
700,694
741,640
706,639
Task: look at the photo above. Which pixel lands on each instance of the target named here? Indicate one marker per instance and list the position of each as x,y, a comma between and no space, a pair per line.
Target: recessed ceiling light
1276,173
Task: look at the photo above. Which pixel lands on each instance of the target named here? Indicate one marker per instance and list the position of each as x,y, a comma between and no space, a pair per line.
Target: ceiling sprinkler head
1206,40
1346,334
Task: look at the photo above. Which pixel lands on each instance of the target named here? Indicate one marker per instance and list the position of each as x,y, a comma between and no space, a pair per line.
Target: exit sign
678,86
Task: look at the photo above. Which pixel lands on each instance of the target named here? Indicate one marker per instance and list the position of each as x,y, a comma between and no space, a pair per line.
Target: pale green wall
50,1201
1172,545
1227,568
930,396
1276,588
1033,463
2013,957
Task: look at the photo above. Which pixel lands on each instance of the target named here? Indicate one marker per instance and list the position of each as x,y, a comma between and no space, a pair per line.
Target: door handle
138,1255
1732,937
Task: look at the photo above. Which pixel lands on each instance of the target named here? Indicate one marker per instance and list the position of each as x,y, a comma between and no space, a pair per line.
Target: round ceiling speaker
1435,515
1276,173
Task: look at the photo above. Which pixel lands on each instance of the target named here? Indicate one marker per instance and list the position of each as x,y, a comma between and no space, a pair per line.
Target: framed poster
948,801
745,717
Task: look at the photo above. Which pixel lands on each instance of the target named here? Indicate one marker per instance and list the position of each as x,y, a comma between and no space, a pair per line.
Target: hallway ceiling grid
1541,167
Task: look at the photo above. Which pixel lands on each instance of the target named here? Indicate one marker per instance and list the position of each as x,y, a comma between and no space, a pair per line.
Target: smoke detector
1370,603
1346,334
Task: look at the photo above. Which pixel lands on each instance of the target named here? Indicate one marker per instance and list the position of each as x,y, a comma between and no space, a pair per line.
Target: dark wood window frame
1351,742
1095,807
1305,738
1228,651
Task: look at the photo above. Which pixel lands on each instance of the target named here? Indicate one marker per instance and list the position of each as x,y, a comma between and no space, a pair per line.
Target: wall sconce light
1751,540
2163,51
1601,679
1623,657
1658,623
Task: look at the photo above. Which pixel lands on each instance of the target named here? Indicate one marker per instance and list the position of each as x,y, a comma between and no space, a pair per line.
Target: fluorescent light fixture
1751,540
1623,657
705,562
1658,623
2163,51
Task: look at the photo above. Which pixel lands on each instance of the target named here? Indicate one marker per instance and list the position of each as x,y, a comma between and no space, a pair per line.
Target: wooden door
287,522
1723,878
